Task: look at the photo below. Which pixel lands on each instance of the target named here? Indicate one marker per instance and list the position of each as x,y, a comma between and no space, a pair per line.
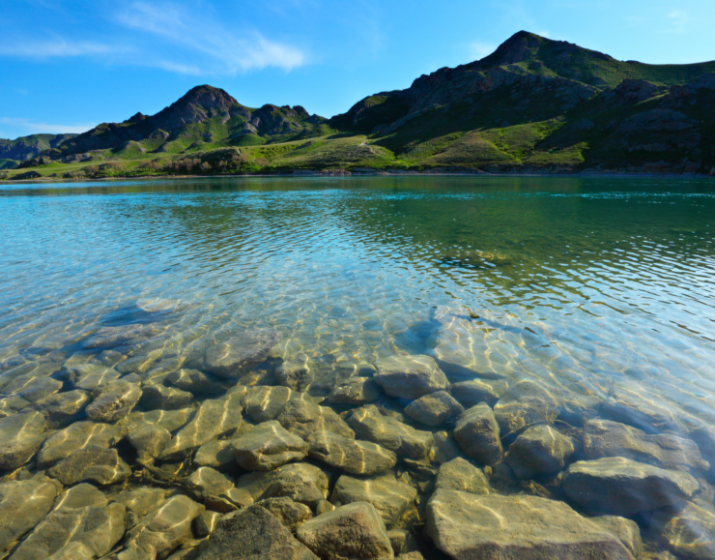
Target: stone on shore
389,432
460,474
74,437
301,482
355,390
114,402
409,377
230,358
434,409
21,436
354,531
352,456
91,463
268,446
164,398
539,450
253,534
291,514
525,404
624,487
390,496
477,434
468,526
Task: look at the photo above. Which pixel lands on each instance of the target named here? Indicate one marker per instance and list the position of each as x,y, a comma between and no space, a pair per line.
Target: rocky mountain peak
197,105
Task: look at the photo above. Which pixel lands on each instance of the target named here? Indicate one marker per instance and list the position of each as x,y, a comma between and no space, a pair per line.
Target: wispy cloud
477,51
56,47
32,127
679,21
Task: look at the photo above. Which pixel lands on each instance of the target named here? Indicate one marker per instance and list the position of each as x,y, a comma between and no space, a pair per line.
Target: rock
525,404
389,432
409,377
194,381
33,389
637,411
170,420
324,506
471,393
355,390
303,417
73,551
164,398
114,402
354,457
111,337
206,523
539,450
141,500
603,438
477,434
445,448
390,496
268,446
691,532
163,531
214,418
625,530
205,482
230,358
149,440
291,514
459,474
295,373
63,406
265,403
74,437
21,435
411,556
79,496
467,526
216,454
625,487
704,437
434,409
354,531
300,482
88,377
23,504
253,534
93,463
98,528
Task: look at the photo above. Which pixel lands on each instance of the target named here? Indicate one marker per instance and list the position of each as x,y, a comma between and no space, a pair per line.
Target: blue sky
67,65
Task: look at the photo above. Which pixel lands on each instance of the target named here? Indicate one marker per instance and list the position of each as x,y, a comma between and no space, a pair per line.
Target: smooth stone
268,446
460,474
626,530
637,411
170,420
195,381
303,417
355,390
434,409
98,528
389,432
21,436
445,448
390,496
704,437
352,456
252,534
213,419
12,405
468,526
33,389
61,407
323,506
111,337
691,532
79,496
301,482
88,377
354,531
603,438
163,531
91,463
475,391
149,440
73,551
291,514
141,500
71,439
409,377
539,450
265,403
625,487
230,358
477,434
295,373
216,454
206,523
164,398
525,404
109,358
23,504
114,402
205,482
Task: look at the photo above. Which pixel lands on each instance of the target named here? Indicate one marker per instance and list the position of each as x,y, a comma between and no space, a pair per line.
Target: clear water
592,286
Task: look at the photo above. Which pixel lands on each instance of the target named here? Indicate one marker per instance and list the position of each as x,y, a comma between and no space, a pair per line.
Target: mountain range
534,105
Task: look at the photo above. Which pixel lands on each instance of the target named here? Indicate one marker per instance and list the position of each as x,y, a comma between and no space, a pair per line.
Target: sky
68,65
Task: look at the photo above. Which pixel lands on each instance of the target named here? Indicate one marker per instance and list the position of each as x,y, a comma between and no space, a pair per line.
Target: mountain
533,106
26,147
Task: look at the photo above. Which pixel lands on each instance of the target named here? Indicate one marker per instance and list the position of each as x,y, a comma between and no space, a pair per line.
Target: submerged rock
390,496
268,446
459,474
206,523
300,482
33,389
539,450
230,358
88,377
265,403
525,404
354,532
475,391
74,437
21,435
625,487
111,337
93,463
389,432
291,514
194,381
691,532
206,482
164,398
626,530
303,417
216,454
355,390
114,402
63,406
79,496
434,409
409,377
352,456
477,434
467,526
170,420
295,373
149,440
642,413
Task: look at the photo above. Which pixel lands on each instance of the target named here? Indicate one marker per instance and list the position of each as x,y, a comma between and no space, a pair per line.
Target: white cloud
33,127
56,47
477,51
